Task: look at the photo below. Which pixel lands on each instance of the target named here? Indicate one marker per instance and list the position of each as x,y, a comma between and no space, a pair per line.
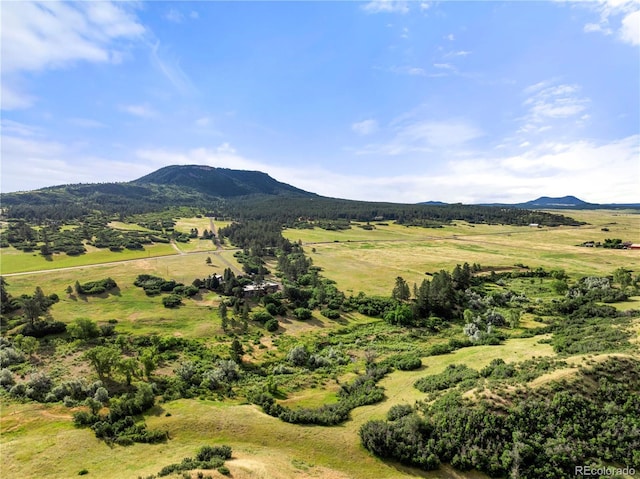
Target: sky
451,101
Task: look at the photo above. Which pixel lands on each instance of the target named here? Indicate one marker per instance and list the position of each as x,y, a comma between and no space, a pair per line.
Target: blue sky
386,100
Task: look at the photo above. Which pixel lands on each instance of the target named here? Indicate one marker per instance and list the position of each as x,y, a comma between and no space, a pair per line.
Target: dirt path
175,247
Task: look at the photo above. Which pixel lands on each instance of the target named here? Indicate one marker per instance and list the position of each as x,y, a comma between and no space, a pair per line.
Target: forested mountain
220,182
246,195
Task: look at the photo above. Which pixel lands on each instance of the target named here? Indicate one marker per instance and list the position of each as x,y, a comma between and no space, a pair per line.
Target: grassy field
39,441
134,311
15,261
394,250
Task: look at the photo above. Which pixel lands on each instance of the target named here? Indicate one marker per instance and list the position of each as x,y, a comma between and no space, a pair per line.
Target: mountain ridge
550,202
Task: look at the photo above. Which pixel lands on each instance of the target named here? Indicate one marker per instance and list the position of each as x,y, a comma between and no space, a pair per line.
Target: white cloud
30,163
174,16
141,111
365,127
36,36
451,37
203,122
596,27
194,15
620,16
630,29
444,66
386,6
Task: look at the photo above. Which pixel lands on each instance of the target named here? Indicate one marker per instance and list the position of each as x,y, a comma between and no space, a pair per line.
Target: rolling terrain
524,274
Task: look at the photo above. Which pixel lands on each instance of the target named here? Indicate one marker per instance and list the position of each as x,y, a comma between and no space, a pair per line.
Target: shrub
262,316
6,378
172,301
302,313
9,356
272,325
298,356
330,313
399,410
83,328
404,362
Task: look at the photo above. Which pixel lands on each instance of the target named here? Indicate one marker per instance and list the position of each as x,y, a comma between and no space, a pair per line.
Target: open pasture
369,261
134,311
16,261
263,447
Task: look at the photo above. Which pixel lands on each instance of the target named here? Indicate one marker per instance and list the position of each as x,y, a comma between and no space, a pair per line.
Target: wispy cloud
548,101
365,127
408,70
421,136
141,111
12,98
86,123
458,53
170,69
174,16
11,127
386,6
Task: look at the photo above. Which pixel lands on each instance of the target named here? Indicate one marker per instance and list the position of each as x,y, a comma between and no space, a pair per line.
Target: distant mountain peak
566,201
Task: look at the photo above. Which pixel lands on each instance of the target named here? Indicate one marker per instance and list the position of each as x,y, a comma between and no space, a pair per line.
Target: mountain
242,195
563,202
172,186
220,182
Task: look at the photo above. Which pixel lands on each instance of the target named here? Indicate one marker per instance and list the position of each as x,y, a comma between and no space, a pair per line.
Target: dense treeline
289,211
546,433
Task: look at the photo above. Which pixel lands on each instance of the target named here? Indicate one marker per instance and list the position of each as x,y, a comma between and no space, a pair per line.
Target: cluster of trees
207,457
154,285
360,392
537,435
259,238
95,287
119,425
